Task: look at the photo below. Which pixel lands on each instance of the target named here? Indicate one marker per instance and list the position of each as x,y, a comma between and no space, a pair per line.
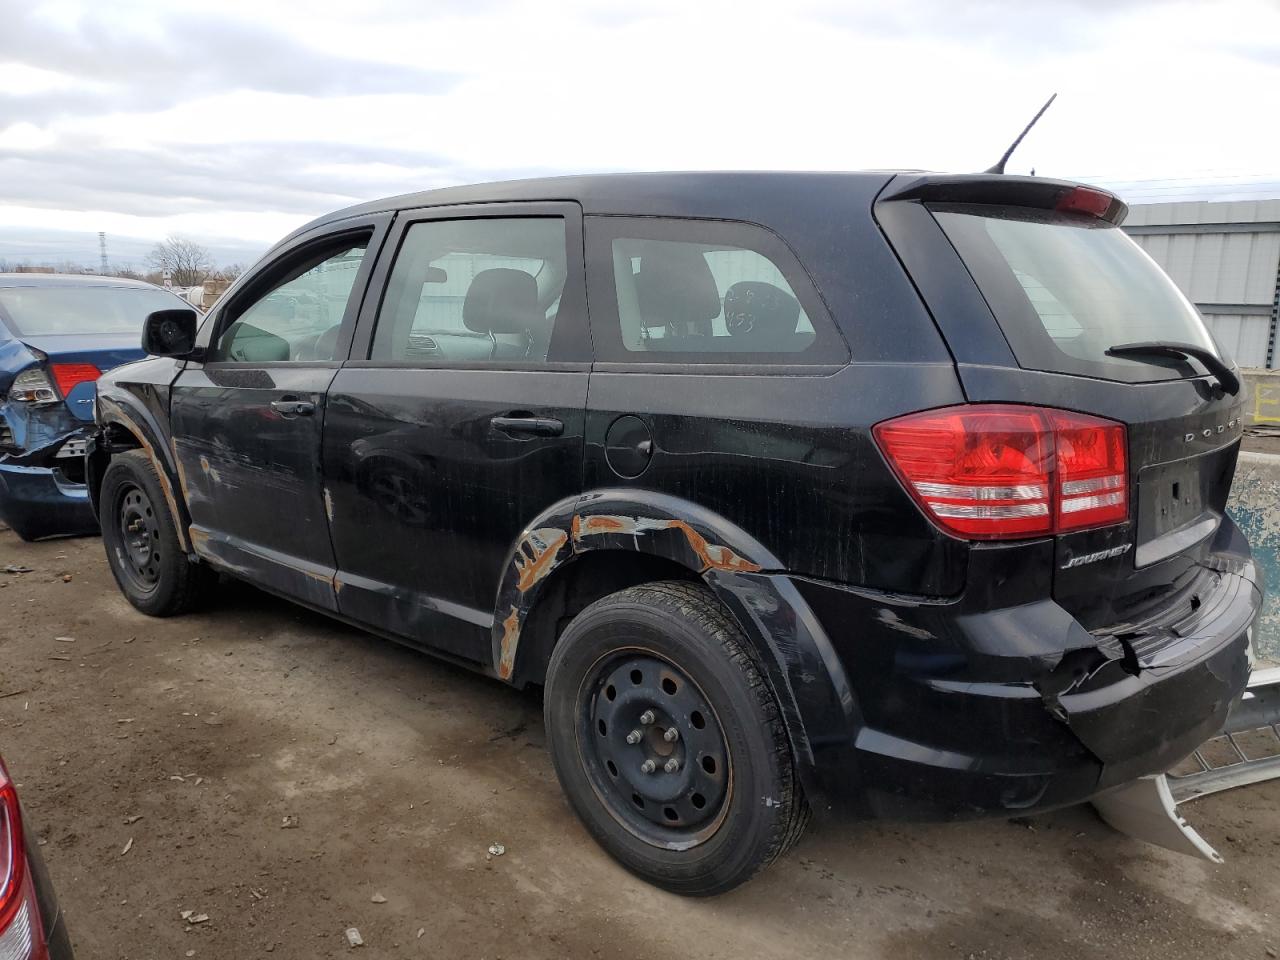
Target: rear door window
1064,289
696,291
483,290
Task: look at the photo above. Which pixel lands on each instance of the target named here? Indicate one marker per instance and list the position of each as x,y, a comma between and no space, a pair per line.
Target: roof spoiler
1003,190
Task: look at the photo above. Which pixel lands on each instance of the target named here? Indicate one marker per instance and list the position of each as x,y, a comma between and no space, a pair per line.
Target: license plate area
1180,503
1170,496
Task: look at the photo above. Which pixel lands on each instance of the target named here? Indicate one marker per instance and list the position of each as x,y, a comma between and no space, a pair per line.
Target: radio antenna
999,167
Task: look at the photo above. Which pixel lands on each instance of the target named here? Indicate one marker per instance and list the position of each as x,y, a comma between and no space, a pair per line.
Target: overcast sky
235,122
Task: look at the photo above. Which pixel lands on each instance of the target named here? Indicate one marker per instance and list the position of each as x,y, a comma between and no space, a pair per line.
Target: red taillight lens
1093,478
1003,471
1093,203
21,931
12,853
70,375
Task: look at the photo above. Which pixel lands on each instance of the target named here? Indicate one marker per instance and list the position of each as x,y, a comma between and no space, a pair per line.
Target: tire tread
698,607
191,581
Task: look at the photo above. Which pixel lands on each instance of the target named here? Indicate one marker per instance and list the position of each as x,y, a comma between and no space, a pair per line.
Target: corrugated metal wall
1226,259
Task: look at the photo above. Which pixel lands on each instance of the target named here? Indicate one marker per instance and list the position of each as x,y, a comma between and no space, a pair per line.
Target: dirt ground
194,739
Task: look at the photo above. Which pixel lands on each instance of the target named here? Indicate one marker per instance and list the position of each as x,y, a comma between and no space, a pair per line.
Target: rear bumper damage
42,491
1247,752
1017,709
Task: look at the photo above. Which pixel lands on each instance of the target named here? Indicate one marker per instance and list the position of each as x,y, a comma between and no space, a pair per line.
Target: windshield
45,311
1064,289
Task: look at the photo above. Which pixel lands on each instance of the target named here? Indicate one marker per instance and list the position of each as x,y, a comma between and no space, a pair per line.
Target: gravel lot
401,771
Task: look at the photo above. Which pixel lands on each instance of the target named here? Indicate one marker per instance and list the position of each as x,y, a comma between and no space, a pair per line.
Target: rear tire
140,534
721,800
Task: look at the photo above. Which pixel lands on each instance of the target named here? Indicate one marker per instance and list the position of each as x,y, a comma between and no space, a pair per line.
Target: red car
31,924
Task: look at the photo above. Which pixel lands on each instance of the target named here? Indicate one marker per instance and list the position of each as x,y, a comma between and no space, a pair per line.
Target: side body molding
806,675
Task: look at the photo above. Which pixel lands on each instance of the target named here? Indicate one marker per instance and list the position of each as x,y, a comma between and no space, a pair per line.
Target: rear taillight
68,376
21,932
1004,471
1092,203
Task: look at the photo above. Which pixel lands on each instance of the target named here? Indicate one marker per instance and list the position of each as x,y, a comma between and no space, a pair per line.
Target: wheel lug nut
672,735
647,717
634,737
648,766
672,765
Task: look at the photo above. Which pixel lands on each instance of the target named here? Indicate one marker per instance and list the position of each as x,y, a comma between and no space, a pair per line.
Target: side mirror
170,333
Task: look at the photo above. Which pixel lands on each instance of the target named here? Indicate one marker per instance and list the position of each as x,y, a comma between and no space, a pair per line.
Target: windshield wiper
1229,382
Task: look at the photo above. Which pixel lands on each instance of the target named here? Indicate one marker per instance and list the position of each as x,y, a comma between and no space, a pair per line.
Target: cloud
246,118
125,63
298,177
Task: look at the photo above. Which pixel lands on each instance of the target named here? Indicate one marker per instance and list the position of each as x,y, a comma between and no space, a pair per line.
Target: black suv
897,494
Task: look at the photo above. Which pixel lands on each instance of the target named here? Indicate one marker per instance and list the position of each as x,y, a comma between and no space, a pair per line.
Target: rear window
1064,289
48,311
700,291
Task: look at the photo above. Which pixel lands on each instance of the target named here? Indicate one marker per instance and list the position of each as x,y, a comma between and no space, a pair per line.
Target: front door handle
293,407
536,426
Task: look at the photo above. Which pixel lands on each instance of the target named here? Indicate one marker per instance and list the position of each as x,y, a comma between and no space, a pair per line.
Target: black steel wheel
139,530
668,740
654,750
140,535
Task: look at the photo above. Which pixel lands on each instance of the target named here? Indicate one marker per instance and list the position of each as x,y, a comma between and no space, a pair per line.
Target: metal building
1226,259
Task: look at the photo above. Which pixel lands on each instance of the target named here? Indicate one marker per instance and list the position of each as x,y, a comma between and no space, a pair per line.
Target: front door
465,420
247,422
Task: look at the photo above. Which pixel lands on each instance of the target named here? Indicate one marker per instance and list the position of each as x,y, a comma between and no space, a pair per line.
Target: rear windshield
1065,288
46,311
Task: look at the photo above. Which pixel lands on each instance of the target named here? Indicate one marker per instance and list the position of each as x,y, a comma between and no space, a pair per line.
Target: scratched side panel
791,461
429,495
251,476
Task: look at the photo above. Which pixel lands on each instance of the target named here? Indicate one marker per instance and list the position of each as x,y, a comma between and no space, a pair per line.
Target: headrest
675,285
502,300
755,310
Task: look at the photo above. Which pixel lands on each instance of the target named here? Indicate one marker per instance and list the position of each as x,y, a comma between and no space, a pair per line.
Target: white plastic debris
354,938
289,823
378,898
127,847
496,849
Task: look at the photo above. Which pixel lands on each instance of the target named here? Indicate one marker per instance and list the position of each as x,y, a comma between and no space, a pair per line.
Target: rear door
462,419
247,421
1057,285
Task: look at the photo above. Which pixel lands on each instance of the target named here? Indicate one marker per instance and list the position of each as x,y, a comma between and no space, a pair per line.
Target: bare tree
231,271
188,263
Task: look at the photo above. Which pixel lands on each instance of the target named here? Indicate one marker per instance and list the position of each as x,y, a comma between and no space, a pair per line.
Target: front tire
141,538
668,740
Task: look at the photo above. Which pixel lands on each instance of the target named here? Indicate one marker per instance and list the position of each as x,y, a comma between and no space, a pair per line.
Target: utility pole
102,249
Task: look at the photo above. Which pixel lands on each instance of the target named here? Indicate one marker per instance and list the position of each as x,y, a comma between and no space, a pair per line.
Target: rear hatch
1044,287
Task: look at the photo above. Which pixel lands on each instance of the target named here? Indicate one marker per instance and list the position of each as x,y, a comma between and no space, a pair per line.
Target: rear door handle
292,407
536,426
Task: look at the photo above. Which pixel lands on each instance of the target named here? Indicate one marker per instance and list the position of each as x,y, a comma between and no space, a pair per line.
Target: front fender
131,413
806,675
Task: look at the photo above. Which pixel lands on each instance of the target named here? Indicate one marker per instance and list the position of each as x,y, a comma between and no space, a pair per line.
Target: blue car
58,333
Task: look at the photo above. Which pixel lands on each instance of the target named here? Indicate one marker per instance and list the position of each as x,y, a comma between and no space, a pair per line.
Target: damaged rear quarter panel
792,648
